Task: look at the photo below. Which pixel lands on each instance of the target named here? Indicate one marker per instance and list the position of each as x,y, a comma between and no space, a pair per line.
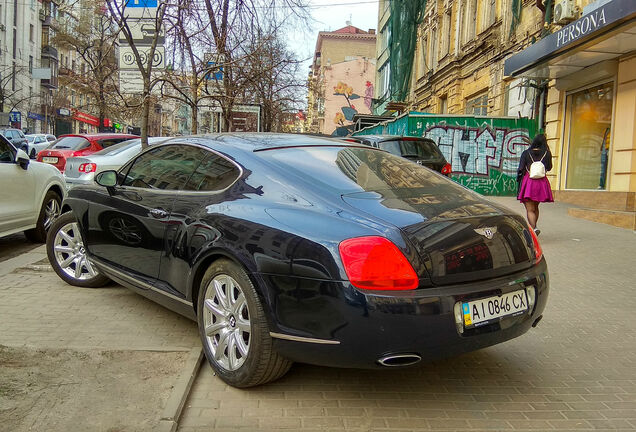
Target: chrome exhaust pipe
394,360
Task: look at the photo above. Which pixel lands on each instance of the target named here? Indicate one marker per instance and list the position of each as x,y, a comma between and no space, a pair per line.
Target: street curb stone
180,392
22,260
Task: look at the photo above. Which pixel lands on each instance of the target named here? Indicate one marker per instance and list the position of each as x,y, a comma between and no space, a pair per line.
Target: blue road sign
141,3
216,74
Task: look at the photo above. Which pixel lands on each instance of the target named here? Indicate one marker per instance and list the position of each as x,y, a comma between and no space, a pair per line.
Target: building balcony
49,52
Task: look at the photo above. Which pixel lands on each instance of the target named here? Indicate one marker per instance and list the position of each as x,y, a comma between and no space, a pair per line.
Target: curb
25,259
180,392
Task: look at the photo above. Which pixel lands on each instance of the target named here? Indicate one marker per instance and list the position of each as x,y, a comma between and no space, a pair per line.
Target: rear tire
32,155
65,249
234,329
50,210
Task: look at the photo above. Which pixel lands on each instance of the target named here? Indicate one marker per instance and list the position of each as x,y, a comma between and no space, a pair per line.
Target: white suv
31,193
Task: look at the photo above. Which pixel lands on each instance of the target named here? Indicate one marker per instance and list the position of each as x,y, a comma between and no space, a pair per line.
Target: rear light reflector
538,252
447,169
375,263
87,168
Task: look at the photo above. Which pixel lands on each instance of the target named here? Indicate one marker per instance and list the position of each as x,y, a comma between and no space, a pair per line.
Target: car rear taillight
447,169
87,168
538,252
375,263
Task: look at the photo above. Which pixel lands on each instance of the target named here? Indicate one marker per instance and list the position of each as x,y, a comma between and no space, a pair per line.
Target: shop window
588,128
477,106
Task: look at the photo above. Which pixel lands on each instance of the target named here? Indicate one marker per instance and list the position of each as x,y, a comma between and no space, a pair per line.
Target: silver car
38,142
82,169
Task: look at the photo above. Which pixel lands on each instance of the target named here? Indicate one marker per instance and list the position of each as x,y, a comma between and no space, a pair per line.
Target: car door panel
17,193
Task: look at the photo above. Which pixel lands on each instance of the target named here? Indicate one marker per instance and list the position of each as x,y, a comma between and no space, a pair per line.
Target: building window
446,33
471,21
30,32
30,64
434,49
488,14
588,128
443,104
423,64
477,106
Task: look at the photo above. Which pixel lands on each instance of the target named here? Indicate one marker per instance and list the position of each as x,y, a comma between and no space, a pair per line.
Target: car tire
49,212
66,253
237,342
32,154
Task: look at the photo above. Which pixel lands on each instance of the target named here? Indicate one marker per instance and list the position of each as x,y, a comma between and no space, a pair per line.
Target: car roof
388,137
251,141
93,136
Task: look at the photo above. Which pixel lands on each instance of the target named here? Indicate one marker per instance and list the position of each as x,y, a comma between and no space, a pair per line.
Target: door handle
158,213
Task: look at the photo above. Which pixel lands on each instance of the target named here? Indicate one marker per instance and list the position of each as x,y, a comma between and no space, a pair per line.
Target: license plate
483,311
51,160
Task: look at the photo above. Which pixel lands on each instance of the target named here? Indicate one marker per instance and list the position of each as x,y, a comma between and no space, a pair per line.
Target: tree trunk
144,121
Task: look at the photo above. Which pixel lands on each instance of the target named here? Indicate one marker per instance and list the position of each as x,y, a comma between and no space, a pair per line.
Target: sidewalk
575,371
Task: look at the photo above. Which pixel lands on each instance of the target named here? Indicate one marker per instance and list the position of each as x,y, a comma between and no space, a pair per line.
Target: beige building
346,56
459,58
590,65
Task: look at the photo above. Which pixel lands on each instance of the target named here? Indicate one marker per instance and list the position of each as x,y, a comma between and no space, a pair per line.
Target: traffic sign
127,59
141,8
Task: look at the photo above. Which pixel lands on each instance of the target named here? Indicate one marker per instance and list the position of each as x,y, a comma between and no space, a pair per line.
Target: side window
6,152
50,138
215,173
166,167
9,134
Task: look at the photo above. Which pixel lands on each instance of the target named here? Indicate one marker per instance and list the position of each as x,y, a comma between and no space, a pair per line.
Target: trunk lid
459,235
72,166
57,158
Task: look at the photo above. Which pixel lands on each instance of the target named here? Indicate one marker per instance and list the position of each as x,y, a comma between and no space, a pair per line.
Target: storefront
84,122
590,115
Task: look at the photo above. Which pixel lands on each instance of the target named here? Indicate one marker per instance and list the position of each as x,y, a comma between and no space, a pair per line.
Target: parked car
37,143
78,145
424,151
30,196
15,137
82,169
292,248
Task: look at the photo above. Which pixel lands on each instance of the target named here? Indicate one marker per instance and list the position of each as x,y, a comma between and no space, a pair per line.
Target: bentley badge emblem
488,232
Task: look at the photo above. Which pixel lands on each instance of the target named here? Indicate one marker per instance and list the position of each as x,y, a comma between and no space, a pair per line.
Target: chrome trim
411,359
303,339
123,275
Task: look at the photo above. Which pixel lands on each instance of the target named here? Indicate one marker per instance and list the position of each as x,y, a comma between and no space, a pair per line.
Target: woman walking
534,187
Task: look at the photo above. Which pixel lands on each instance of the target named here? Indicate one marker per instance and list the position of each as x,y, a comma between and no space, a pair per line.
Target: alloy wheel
52,211
70,254
226,322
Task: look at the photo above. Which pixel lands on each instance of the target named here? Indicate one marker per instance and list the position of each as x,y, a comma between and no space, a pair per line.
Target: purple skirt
535,190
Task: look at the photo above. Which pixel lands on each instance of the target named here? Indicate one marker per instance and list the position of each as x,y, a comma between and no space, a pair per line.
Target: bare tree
275,82
12,94
143,59
92,36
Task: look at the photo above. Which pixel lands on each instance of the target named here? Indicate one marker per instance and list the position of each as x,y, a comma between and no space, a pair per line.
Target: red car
73,145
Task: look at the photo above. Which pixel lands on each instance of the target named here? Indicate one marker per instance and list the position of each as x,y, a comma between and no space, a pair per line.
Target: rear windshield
30,138
71,143
120,147
417,149
355,169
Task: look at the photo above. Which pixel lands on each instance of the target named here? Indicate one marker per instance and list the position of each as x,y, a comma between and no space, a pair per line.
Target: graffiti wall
484,152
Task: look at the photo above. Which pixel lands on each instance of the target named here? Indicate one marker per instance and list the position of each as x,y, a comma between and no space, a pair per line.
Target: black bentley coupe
293,248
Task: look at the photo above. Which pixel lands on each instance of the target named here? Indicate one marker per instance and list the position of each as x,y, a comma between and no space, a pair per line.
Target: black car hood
460,236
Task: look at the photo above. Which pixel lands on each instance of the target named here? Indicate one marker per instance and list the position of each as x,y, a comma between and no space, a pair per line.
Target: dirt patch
64,390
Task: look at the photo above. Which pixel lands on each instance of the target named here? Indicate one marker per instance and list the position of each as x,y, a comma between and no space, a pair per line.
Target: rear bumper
79,181
352,328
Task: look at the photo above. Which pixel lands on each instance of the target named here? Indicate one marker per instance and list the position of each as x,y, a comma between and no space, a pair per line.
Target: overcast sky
331,15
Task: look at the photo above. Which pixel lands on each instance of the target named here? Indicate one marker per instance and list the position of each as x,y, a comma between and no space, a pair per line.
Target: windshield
129,144
420,149
30,138
353,169
71,143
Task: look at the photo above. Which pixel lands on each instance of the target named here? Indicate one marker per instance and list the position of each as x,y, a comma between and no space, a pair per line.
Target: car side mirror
22,159
107,178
